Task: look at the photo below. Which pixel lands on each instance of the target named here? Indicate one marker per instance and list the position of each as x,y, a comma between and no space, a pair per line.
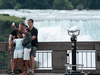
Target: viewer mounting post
74,32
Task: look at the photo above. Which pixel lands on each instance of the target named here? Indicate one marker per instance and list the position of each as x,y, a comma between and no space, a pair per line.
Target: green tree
62,4
17,6
68,5
1,3
42,4
6,4
74,2
85,3
93,4
97,3
58,4
80,7
50,2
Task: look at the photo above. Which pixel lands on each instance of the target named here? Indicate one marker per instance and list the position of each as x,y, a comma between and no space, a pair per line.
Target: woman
27,39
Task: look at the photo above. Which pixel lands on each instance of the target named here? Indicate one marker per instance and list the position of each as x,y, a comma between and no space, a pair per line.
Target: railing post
97,48
97,62
59,58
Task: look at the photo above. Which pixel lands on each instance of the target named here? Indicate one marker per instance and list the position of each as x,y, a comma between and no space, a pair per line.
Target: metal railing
57,58
43,59
85,57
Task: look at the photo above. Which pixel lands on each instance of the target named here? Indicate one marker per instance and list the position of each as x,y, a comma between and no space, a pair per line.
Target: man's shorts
18,53
27,53
33,51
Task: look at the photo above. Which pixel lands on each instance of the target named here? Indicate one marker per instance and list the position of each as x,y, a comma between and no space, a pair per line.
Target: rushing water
52,25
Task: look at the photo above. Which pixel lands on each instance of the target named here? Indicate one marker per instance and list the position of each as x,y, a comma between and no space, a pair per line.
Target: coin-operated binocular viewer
74,32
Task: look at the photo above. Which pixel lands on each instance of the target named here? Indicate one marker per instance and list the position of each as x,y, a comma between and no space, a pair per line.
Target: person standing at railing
27,46
18,51
12,34
34,43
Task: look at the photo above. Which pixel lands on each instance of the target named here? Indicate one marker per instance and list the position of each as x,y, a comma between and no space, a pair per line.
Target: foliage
87,8
62,4
4,15
17,6
48,4
3,60
68,5
23,18
5,26
80,7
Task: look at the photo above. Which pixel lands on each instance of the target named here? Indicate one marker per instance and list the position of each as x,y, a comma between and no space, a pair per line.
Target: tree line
50,4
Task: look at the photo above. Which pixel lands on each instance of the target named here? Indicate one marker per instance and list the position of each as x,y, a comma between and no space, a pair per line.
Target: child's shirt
26,39
18,43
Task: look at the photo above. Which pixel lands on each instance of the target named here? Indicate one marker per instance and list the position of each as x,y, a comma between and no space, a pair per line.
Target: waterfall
52,25
57,30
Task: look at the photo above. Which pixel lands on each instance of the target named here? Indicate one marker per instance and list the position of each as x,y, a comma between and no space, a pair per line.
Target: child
18,51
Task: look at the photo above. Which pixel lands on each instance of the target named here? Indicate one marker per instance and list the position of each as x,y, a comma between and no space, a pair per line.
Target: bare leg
11,62
13,67
20,63
32,63
26,66
29,65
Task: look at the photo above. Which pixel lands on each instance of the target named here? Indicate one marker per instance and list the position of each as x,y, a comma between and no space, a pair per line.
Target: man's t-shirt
34,32
18,43
27,39
14,33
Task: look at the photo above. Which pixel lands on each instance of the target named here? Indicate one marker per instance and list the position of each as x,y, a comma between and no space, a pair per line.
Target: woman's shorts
27,53
18,54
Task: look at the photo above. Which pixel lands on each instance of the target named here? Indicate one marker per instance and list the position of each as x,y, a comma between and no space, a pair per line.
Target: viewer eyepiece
73,30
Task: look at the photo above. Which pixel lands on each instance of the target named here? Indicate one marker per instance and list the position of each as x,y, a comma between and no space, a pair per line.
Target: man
12,34
34,43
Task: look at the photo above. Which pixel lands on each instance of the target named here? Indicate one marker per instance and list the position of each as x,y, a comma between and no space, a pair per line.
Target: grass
11,18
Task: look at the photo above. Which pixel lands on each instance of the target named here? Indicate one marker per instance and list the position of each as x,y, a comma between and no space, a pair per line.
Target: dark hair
26,26
22,23
19,32
28,29
31,20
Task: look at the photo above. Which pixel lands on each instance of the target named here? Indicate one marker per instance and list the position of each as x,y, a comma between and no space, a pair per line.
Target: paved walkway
48,74
40,74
